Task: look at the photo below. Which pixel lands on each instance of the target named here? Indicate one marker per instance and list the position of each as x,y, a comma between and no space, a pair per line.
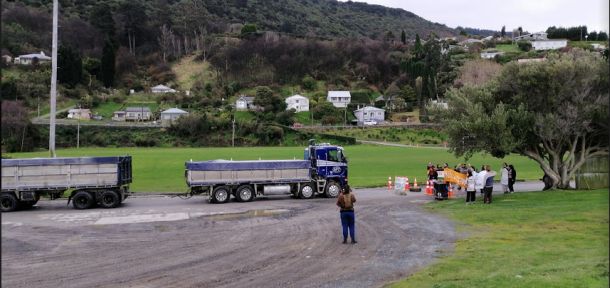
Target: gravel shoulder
273,242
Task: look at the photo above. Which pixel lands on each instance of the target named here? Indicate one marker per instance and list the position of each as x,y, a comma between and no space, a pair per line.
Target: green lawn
162,169
244,116
539,239
397,135
107,109
507,48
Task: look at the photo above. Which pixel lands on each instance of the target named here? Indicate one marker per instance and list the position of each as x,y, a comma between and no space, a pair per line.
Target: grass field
162,169
541,239
508,48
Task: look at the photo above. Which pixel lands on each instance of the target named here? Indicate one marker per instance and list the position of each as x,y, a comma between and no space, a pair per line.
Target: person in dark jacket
346,201
512,178
489,184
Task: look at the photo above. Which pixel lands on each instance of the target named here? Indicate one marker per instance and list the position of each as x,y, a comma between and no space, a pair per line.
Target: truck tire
8,202
82,200
109,199
244,193
332,189
221,194
306,191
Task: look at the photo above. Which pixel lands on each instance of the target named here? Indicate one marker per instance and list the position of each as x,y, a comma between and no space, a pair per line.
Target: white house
298,103
490,54
138,113
162,89
244,103
549,44
339,99
79,114
369,113
532,36
170,115
28,59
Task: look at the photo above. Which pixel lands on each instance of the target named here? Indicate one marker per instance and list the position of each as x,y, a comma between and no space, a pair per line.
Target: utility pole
78,128
233,135
53,81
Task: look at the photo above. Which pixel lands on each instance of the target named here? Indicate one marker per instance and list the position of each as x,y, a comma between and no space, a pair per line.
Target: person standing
346,201
471,187
479,181
512,178
489,184
504,178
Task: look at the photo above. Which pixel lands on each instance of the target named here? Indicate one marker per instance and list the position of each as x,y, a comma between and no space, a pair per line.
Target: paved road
170,242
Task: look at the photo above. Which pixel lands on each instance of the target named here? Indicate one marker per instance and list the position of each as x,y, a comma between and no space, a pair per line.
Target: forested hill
323,18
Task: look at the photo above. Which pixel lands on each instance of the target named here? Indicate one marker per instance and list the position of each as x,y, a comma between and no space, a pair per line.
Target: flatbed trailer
93,180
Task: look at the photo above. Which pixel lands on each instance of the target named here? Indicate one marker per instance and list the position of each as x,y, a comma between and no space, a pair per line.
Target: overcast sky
532,15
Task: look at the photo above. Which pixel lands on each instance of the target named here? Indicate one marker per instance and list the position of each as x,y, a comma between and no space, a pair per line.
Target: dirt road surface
270,242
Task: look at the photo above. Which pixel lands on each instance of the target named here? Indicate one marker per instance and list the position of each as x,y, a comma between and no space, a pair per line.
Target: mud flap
69,199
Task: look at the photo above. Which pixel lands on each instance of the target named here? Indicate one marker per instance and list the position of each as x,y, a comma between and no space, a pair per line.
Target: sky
532,15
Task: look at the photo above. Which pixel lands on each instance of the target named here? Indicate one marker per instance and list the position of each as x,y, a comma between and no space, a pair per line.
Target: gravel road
271,242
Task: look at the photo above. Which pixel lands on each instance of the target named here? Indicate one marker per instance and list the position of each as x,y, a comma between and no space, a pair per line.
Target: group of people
477,180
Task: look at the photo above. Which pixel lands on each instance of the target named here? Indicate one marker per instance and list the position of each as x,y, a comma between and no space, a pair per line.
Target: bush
524,45
308,83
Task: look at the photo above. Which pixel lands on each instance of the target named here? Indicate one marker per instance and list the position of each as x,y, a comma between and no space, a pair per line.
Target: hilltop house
79,114
244,103
298,103
133,114
490,54
162,89
532,36
170,115
369,114
550,44
29,59
339,99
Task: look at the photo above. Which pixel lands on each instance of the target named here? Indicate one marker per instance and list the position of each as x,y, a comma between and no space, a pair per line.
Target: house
162,89
138,113
6,59
532,36
470,41
550,44
79,114
339,99
490,54
30,59
298,103
369,114
170,115
244,103
118,116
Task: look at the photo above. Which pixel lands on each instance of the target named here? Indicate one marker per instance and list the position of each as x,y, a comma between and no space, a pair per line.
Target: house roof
369,108
137,109
297,96
245,98
40,56
339,94
161,87
174,111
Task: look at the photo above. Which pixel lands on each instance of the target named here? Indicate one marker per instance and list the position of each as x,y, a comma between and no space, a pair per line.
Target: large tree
554,112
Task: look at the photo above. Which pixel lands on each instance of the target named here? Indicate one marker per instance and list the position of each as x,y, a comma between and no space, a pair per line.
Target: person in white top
504,178
479,180
470,187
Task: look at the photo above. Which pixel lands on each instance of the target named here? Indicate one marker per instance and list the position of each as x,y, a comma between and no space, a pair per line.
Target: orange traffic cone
415,183
450,194
389,183
428,188
407,186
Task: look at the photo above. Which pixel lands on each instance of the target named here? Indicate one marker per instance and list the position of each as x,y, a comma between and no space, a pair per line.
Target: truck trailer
93,180
323,171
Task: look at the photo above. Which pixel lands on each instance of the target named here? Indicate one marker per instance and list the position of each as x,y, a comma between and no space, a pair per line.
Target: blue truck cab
328,162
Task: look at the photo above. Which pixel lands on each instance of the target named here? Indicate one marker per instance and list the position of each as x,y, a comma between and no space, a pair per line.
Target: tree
70,66
419,49
18,133
101,18
503,32
266,99
592,36
554,112
108,67
403,37
602,36
248,29
524,45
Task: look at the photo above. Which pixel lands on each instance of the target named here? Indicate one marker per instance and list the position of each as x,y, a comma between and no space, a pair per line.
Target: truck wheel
8,202
244,193
110,199
221,195
306,191
332,189
82,200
